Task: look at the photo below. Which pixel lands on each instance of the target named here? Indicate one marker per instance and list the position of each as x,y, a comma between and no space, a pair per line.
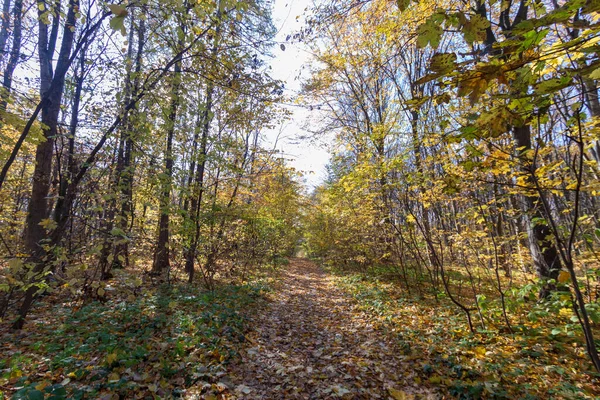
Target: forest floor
313,342
324,336
300,333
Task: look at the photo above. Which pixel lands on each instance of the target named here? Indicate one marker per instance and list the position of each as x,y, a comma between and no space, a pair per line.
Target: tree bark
4,28
38,206
546,259
161,261
106,259
121,255
69,171
15,53
198,188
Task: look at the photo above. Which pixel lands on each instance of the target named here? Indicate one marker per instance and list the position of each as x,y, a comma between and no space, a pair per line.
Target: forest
156,242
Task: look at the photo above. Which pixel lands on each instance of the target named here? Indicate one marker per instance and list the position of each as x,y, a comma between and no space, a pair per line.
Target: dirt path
311,342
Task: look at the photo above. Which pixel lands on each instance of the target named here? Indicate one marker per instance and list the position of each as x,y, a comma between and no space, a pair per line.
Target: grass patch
158,345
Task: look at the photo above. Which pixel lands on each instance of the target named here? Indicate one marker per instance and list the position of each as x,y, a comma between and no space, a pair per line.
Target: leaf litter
314,342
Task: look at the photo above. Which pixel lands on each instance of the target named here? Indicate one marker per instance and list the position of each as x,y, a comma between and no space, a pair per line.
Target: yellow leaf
42,385
48,224
400,394
564,277
17,373
101,292
111,358
479,351
435,379
114,377
564,312
595,74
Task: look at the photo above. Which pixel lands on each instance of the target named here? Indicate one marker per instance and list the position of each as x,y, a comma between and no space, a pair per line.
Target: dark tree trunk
546,259
38,205
4,28
69,171
15,53
198,187
161,264
121,256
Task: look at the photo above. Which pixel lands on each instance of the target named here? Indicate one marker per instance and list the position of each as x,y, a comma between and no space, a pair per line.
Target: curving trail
311,342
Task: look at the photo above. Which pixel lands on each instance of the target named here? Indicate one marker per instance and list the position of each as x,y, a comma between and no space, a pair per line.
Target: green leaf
118,23
118,232
442,63
430,33
118,10
34,395
474,29
533,38
553,85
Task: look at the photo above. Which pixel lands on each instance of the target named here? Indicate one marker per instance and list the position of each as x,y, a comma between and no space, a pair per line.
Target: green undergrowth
544,357
154,346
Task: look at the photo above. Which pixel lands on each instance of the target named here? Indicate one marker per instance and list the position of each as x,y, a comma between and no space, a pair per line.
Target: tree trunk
544,254
38,206
15,53
69,172
198,188
4,28
106,259
121,256
161,254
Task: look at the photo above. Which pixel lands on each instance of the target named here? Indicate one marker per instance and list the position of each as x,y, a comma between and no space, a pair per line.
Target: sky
306,156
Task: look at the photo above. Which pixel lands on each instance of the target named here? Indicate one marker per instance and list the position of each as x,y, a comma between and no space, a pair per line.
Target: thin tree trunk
161,254
15,53
198,188
106,258
4,28
69,172
122,248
